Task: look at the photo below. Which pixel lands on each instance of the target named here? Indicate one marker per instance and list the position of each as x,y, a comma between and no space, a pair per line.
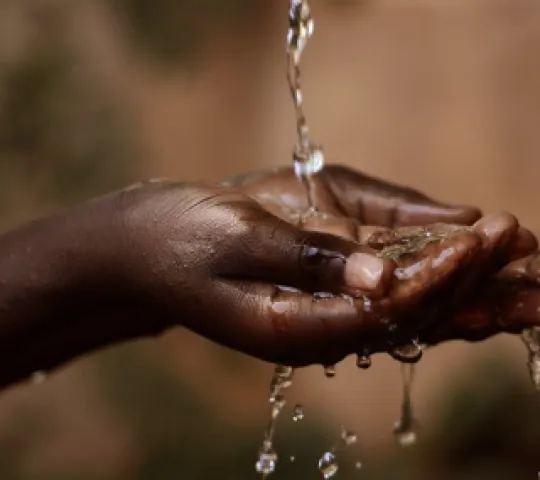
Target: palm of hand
455,306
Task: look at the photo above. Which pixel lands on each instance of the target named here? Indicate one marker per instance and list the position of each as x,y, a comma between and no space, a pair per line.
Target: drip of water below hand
405,429
531,338
328,463
281,381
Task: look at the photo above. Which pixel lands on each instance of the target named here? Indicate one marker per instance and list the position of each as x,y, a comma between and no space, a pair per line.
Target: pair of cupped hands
236,267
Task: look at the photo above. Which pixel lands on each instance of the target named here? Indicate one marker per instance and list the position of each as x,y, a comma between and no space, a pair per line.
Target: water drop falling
410,353
405,429
266,464
348,438
531,338
308,157
330,371
292,458
281,381
358,465
363,360
328,465
298,413
278,403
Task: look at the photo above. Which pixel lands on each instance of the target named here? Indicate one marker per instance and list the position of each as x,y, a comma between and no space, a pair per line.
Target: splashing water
405,429
531,338
308,157
281,381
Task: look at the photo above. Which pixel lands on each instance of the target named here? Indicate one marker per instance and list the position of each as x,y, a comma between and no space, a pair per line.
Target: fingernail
363,271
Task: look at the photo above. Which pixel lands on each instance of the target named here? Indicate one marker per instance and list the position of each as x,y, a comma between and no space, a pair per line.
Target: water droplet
292,459
38,378
309,164
281,380
266,464
298,413
298,96
531,338
405,438
330,371
358,465
410,353
277,405
328,465
367,305
348,438
282,371
363,361
405,429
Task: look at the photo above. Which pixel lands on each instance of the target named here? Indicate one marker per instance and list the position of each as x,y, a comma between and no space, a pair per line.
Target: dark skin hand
208,257
509,302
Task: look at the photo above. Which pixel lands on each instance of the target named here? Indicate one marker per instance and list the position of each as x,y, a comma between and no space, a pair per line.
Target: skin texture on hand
211,258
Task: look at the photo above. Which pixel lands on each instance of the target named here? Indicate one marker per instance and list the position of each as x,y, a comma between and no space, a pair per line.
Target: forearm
65,289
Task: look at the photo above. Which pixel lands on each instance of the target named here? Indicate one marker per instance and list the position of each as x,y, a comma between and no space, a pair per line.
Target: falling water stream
308,160
531,338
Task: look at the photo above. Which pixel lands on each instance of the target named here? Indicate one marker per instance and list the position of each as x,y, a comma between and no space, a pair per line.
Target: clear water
298,413
328,463
308,157
405,429
531,338
281,381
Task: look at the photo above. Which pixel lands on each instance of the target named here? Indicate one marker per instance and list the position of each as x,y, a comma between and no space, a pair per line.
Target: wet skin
209,257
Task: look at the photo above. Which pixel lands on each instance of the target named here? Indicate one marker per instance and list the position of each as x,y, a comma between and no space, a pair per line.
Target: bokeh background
443,95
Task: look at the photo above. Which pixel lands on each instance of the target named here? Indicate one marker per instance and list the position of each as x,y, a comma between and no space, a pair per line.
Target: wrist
75,263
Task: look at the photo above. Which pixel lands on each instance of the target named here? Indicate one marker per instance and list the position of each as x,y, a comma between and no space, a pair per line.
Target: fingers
527,268
424,273
500,308
274,251
498,234
524,243
298,328
377,202
287,327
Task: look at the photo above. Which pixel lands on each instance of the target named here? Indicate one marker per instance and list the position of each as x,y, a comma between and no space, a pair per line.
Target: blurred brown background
443,95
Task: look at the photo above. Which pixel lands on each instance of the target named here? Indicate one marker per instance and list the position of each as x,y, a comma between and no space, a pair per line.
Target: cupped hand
233,263
342,192
212,258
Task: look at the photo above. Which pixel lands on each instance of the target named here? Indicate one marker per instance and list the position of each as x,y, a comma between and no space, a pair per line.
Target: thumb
276,252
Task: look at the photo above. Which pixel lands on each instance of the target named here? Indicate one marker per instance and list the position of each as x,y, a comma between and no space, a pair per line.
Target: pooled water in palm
531,338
